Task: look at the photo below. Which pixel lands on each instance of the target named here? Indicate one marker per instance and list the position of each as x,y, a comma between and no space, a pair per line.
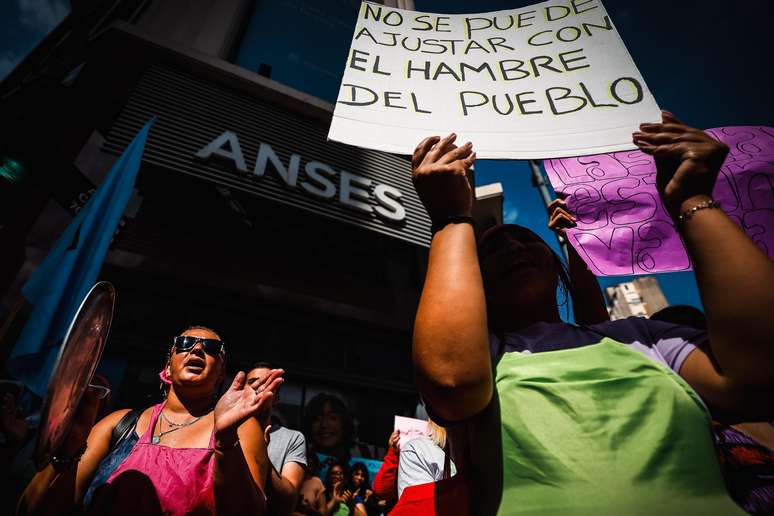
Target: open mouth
195,364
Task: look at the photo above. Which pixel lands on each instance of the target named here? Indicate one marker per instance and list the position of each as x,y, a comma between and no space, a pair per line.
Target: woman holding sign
193,453
606,419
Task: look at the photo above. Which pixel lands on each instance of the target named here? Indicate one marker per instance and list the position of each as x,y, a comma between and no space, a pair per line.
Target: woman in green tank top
546,417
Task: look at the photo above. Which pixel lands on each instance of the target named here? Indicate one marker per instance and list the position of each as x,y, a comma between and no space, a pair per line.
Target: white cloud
510,213
8,62
42,15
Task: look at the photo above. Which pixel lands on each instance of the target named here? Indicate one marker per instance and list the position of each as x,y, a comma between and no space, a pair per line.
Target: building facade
305,253
641,297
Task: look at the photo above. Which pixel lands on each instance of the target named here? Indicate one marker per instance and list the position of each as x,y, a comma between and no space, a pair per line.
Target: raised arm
588,304
735,278
451,344
385,482
59,489
240,472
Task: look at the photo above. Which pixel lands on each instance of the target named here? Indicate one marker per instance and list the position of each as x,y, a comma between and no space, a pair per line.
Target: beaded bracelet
687,214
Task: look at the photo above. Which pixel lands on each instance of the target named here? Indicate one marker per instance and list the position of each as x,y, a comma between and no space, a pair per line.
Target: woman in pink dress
186,455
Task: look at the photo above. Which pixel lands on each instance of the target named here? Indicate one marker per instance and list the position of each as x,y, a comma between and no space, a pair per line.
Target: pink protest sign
409,428
624,229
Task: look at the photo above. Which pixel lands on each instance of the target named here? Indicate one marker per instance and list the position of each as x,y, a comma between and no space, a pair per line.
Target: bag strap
123,428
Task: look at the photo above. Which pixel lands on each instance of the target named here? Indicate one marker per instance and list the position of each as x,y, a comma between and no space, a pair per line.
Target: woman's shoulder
316,483
143,417
103,429
112,419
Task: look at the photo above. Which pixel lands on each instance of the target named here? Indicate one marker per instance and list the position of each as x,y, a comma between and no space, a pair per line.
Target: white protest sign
410,428
550,80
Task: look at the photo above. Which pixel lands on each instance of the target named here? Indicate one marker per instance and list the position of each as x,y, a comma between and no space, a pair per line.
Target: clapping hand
241,402
340,494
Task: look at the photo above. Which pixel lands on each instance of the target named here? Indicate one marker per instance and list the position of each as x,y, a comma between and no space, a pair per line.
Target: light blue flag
59,284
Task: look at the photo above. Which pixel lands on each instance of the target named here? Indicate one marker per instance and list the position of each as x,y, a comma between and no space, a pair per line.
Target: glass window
300,43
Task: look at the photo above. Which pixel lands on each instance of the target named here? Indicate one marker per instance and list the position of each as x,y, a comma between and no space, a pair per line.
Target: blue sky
708,61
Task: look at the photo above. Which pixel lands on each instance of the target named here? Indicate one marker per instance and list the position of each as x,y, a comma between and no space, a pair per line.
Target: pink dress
157,479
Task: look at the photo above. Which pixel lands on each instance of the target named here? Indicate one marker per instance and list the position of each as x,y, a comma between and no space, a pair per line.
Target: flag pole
539,182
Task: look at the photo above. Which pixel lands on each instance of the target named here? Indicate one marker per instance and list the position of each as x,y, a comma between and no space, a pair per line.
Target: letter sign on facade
354,190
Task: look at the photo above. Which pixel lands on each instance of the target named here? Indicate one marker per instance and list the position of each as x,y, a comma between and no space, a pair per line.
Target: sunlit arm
736,282
239,474
451,343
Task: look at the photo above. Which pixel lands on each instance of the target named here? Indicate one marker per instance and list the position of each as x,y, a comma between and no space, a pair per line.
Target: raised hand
439,174
85,417
687,160
343,496
394,440
241,402
559,217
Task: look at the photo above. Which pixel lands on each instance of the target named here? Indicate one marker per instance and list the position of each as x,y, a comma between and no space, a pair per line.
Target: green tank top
602,429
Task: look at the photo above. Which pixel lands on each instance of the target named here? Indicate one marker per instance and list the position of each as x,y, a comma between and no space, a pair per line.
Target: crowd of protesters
527,414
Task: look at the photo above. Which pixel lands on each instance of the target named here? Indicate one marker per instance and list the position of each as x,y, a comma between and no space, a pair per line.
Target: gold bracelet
687,214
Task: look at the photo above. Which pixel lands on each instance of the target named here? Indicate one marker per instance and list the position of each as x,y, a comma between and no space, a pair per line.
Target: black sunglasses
212,347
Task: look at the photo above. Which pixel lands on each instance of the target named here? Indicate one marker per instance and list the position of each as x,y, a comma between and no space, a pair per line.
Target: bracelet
704,205
223,449
452,219
59,462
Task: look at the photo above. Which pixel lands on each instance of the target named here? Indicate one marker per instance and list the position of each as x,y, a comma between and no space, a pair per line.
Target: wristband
704,205
452,219
61,462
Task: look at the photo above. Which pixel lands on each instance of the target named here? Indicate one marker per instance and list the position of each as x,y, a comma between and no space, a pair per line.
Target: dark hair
198,327
359,466
262,365
333,462
314,409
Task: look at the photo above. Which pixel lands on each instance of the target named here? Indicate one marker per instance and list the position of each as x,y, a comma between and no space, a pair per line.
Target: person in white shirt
422,459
